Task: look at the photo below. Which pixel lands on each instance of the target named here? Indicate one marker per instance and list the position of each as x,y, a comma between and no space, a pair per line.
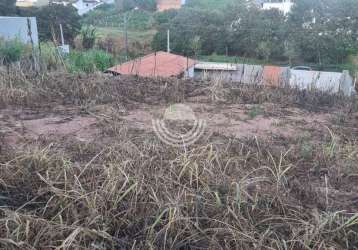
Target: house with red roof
157,64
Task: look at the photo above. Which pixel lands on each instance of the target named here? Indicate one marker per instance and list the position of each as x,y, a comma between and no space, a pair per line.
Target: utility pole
168,41
126,35
62,38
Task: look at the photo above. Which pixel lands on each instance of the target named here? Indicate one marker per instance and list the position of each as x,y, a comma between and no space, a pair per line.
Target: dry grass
127,190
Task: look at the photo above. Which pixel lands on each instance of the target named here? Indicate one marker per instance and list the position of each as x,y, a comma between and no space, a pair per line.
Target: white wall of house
189,73
285,6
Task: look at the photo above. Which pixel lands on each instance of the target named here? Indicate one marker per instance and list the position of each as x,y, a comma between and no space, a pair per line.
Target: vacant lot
81,167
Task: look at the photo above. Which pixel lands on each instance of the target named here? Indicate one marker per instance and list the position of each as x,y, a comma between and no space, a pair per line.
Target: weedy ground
122,188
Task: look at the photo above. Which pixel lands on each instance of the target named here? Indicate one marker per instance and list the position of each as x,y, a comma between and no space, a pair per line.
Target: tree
49,19
7,7
257,33
189,24
325,30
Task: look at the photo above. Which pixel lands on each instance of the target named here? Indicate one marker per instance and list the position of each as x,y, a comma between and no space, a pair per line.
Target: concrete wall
16,27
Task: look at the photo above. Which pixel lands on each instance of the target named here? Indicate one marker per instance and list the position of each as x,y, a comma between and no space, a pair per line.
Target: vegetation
11,50
322,32
49,19
8,8
136,19
88,61
88,37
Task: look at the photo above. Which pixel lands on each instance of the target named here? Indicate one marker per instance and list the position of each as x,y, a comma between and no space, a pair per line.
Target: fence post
34,52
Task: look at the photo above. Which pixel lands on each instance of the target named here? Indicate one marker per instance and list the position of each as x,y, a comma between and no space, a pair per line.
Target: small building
163,5
211,70
243,73
283,5
22,28
157,64
31,3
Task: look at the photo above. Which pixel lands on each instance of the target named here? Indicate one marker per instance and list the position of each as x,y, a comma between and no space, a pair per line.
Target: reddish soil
229,120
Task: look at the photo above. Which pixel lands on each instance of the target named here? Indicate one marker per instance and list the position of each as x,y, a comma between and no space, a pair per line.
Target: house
22,28
157,64
31,3
84,6
283,5
169,4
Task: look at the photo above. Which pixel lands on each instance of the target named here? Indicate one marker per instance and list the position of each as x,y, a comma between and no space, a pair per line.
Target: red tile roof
160,63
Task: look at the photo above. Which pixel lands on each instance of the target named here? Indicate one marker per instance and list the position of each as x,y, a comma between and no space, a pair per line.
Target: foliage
326,31
11,50
190,24
50,58
49,19
322,31
209,4
8,7
125,5
88,61
88,37
164,17
136,19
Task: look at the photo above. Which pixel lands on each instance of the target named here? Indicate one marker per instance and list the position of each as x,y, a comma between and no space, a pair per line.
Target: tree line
320,31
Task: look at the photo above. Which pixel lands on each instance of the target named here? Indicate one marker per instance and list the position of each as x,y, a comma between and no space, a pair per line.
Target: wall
16,27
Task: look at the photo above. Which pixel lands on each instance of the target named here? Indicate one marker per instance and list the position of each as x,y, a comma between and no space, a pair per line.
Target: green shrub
11,50
50,58
88,61
88,37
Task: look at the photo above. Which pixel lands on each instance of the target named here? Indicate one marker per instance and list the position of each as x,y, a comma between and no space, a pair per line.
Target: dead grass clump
132,192
86,89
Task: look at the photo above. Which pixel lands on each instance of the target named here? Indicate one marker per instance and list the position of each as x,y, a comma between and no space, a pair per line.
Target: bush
88,36
89,61
50,59
11,50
